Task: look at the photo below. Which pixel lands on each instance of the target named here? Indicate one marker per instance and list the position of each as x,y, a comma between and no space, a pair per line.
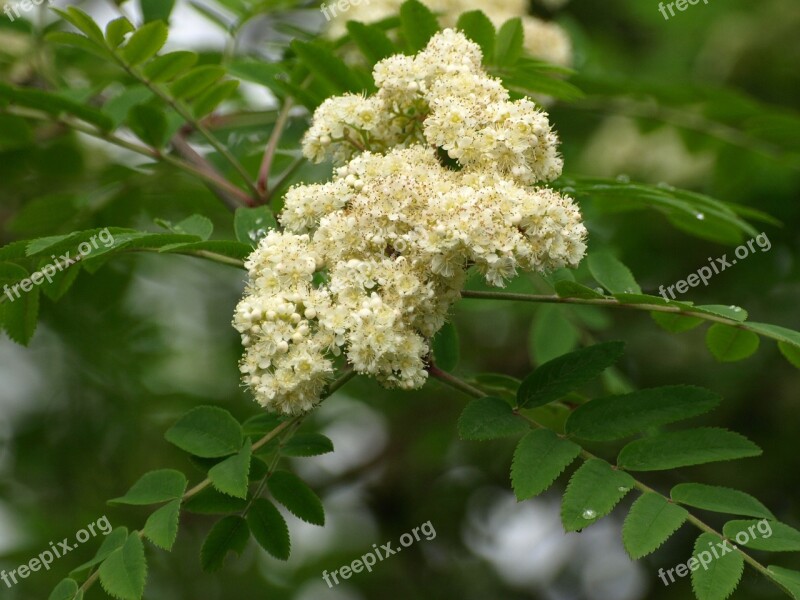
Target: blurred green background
133,346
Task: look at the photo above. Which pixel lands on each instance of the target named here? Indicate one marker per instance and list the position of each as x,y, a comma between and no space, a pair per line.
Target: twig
262,184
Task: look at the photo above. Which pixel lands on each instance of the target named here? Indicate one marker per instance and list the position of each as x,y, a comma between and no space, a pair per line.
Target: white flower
370,263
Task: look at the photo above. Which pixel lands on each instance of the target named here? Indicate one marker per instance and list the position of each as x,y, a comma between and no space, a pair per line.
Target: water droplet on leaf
589,514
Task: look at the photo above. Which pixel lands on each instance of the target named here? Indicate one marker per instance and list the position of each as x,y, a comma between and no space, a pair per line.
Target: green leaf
735,313
213,97
498,382
169,66
252,224
477,27
593,492
571,289
19,311
778,537
149,124
161,527
84,23
566,373
262,424
119,106
208,432
714,578
53,104
227,248
685,448
650,522
76,40
626,298
612,274
261,73
231,476
510,38
67,589
719,499
617,417
788,578
489,418
155,487
790,352
781,334
675,323
196,225
269,528
112,542
373,42
228,535
532,81
11,274
418,25
552,335
445,347
307,444
154,10
144,43
124,572
196,81
327,67
212,502
730,344
540,457
116,31
291,491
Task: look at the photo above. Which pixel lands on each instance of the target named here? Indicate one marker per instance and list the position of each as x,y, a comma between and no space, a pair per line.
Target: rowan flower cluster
544,40
441,96
434,176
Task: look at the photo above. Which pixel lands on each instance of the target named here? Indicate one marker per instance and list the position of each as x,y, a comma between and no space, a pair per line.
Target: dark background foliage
134,345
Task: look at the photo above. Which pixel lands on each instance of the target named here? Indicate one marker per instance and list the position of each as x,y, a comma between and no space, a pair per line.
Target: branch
208,176
614,303
197,125
269,153
185,150
299,162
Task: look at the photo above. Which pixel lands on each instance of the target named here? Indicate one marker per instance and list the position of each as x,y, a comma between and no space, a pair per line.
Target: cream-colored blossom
370,263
